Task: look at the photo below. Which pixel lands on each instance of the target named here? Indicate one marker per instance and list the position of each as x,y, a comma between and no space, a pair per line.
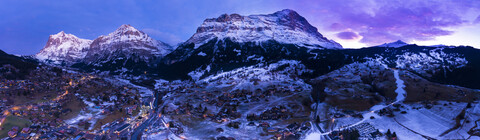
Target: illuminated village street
100,113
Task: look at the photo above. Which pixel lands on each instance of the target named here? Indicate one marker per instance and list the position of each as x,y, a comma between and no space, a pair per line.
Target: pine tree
389,133
378,132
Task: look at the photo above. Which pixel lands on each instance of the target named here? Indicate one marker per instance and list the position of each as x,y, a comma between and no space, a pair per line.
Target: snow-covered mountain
124,51
285,26
64,47
233,41
127,40
121,51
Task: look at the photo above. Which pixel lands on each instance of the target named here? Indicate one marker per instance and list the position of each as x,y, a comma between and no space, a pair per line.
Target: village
264,103
271,105
185,103
246,103
60,104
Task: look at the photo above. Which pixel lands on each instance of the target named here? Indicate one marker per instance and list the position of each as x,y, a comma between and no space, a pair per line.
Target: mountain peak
399,42
125,26
226,17
287,12
63,46
125,33
124,41
126,29
62,37
285,26
62,34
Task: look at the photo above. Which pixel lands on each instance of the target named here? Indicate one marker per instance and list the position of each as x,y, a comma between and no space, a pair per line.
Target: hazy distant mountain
395,44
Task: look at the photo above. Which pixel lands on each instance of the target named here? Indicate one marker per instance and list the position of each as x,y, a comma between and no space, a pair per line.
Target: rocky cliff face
285,26
64,47
126,50
126,40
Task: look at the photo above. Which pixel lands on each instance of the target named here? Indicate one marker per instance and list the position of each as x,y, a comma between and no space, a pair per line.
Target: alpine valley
269,76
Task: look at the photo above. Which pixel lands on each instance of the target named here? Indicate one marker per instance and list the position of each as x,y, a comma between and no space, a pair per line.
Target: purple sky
26,24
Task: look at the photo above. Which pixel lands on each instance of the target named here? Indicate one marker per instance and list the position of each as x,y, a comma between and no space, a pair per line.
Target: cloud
162,36
379,21
348,35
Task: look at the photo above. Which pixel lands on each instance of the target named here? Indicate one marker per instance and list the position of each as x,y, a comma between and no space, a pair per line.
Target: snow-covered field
91,114
372,112
313,136
430,122
421,121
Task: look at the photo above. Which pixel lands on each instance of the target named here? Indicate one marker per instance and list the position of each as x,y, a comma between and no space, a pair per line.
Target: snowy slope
64,47
431,62
285,26
261,75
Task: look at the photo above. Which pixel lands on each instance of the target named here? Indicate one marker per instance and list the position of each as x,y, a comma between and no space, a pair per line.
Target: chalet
272,130
58,120
293,126
121,129
52,124
264,124
58,134
2,119
78,133
16,112
12,134
26,130
105,130
15,128
31,135
71,130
